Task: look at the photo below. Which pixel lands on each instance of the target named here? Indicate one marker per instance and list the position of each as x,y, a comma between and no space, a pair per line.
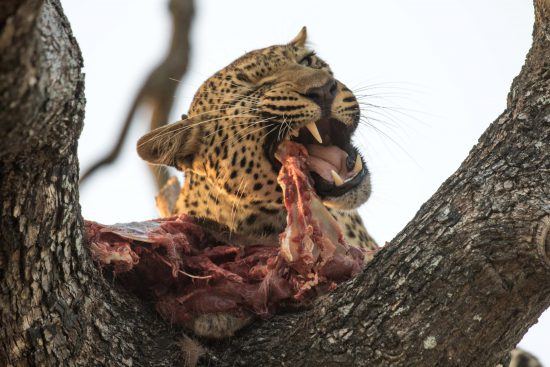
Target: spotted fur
223,145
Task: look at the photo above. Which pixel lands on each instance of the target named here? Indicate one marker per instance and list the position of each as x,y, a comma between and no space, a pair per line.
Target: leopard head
237,119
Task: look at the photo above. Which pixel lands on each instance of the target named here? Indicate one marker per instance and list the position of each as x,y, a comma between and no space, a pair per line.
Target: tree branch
459,285
465,279
55,307
159,88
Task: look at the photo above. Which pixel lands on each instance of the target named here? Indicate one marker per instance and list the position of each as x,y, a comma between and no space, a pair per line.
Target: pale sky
440,70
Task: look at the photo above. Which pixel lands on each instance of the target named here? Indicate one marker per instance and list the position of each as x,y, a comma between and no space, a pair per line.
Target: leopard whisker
241,124
248,133
187,127
234,206
386,85
389,137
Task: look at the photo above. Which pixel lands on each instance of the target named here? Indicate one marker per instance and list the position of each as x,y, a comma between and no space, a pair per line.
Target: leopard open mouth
335,164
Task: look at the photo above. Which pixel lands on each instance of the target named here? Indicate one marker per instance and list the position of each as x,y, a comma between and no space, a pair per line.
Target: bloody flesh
313,243
181,267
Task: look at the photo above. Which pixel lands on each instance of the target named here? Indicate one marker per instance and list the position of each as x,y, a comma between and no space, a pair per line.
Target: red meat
178,265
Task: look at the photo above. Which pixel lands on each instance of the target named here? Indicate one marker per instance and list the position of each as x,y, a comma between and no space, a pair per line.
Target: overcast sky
439,70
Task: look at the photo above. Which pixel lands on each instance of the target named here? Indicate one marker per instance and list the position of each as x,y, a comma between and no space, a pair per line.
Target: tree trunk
55,307
460,285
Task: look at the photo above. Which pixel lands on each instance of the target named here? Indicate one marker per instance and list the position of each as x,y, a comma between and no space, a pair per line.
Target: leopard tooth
338,181
358,166
312,127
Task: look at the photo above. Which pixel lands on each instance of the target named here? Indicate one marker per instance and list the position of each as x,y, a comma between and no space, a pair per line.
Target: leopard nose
323,95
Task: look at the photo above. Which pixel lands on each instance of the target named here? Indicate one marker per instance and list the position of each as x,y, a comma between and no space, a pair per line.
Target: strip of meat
313,243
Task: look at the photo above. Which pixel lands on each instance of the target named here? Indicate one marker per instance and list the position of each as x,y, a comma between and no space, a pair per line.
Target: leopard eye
307,60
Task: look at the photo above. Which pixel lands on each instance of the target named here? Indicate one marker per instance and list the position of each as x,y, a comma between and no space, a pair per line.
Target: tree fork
459,285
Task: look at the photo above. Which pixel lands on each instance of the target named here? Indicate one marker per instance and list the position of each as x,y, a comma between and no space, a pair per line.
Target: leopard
225,147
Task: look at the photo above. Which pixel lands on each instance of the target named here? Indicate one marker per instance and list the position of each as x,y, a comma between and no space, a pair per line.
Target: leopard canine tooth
338,181
358,165
312,127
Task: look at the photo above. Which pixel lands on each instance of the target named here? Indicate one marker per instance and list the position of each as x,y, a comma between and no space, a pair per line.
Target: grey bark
459,285
55,307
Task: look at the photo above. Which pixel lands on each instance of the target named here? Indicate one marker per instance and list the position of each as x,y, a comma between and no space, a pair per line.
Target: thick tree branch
55,307
462,283
459,285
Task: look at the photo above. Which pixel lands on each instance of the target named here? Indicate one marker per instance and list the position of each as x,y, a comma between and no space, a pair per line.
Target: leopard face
237,119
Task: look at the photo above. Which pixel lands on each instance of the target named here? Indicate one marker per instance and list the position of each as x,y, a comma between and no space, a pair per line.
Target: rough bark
465,279
55,307
459,285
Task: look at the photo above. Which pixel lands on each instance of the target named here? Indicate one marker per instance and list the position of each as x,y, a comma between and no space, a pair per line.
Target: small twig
158,90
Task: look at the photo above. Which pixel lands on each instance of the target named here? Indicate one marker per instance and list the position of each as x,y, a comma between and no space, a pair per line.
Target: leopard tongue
324,159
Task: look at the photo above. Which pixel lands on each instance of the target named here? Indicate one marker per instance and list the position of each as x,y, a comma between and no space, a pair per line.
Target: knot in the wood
542,239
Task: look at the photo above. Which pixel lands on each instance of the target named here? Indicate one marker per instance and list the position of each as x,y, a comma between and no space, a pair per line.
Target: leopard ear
301,38
171,145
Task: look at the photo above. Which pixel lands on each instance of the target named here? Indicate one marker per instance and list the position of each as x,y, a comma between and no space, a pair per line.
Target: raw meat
180,266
